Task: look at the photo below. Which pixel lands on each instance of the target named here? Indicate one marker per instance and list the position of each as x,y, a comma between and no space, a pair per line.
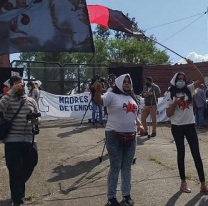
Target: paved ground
69,172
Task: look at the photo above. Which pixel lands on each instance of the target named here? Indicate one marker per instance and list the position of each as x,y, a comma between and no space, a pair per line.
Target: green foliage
110,46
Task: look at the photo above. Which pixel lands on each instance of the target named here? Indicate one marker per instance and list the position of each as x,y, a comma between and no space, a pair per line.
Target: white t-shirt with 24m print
183,114
122,112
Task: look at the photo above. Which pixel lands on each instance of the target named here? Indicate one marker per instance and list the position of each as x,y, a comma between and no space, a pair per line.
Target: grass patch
159,162
30,197
188,176
193,178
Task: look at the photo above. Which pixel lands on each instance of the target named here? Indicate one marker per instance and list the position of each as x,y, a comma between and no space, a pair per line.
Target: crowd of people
123,123
185,105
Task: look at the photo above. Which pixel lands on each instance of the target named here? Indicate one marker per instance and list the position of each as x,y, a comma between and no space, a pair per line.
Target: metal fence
61,79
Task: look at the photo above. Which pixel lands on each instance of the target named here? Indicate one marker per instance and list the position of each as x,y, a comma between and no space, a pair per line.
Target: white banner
54,106
161,110
77,106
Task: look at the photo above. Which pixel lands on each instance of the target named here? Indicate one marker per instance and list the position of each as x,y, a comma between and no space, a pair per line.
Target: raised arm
5,100
199,75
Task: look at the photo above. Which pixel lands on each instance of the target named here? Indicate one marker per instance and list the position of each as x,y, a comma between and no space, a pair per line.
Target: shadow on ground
141,140
5,202
172,201
199,199
77,130
71,171
60,124
83,168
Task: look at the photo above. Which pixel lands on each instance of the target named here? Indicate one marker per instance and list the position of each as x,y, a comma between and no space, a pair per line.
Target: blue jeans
121,158
94,111
200,116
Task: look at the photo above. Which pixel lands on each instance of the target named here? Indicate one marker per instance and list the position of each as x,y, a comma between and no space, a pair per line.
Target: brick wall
162,74
4,61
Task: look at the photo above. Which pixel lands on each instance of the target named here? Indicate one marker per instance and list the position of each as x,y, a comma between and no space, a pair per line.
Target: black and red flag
108,18
45,26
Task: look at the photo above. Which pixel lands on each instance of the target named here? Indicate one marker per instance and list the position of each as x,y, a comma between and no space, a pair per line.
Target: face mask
148,84
180,85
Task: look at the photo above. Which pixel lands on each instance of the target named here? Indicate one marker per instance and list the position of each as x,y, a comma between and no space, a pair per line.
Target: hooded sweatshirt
122,109
183,113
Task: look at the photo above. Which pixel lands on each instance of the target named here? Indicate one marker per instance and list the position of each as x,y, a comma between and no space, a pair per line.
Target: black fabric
6,74
21,159
179,133
118,21
135,73
6,124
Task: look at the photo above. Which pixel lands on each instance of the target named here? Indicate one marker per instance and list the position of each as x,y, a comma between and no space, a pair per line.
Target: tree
111,46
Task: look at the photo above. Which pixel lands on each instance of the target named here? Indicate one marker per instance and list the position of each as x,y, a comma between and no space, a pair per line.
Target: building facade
161,74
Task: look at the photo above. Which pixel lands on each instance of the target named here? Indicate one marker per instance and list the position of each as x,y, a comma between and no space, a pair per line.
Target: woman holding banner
180,111
120,134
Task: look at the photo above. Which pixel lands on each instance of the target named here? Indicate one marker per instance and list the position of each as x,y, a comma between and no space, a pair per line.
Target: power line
184,27
175,21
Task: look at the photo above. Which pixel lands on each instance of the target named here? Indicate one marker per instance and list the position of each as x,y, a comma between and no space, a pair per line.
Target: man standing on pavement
200,104
150,93
20,147
95,106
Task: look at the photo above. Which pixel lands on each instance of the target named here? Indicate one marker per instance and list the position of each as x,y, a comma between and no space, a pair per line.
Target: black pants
21,158
179,134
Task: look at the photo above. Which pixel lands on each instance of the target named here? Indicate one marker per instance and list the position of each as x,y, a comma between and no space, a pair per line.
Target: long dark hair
173,89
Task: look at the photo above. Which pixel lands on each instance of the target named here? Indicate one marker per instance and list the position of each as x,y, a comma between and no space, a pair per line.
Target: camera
35,130
31,116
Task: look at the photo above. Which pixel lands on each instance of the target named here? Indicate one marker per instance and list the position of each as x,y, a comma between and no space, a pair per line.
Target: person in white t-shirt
179,109
120,134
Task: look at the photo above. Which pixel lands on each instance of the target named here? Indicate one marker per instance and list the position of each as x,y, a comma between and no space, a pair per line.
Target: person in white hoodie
120,134
179,109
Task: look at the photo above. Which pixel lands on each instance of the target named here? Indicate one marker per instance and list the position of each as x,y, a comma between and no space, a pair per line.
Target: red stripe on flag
98,15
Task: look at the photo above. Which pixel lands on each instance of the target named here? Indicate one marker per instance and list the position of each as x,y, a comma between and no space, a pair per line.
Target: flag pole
141,35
